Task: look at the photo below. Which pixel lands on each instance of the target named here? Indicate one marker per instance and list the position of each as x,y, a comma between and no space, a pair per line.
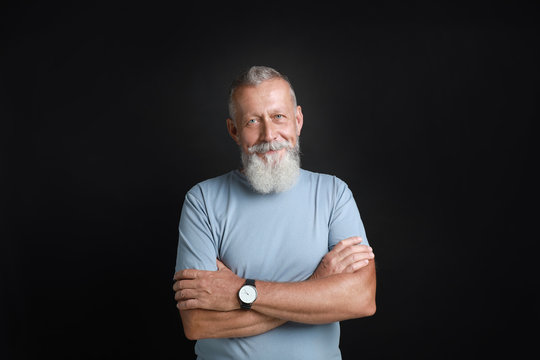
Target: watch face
248,294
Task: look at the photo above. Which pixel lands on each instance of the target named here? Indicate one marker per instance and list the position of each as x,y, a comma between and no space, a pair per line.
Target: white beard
272,174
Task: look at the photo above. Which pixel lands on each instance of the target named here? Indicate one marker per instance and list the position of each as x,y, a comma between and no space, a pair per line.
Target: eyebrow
272,111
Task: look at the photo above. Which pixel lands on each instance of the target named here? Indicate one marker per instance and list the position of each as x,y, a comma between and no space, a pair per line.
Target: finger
187,274
340,254
356,266
185,284
357,257
188,304
354,249
347,242
185,294
220,265
350,259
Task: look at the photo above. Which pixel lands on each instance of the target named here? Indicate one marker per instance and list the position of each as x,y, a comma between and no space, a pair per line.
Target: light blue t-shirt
276,237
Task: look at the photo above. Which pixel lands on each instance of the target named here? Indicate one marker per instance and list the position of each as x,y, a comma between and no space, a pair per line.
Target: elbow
190,325
370,309
365,310
370,306
365,307
191,334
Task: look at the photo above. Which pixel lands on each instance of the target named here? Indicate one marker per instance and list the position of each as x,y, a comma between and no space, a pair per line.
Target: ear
233,130
299,120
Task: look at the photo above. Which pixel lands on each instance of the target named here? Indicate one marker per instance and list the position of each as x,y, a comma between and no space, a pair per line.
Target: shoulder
323,180
329,188
212,186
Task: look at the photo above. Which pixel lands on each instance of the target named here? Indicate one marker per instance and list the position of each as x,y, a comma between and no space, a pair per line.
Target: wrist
247,294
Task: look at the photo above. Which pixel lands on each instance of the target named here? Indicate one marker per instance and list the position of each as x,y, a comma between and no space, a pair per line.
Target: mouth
271,155
269,152
269,149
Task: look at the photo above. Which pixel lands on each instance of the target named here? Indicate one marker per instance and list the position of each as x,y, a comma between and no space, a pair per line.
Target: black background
111,113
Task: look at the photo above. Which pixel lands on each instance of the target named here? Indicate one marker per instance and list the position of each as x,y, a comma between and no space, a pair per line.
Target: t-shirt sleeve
345,218
196,245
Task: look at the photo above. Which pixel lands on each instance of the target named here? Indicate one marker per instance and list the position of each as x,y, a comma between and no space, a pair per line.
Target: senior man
270,257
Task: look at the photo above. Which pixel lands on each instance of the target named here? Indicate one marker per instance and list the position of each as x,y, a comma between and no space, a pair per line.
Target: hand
348,256
210,290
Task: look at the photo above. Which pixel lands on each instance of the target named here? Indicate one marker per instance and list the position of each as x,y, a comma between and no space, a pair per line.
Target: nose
269,132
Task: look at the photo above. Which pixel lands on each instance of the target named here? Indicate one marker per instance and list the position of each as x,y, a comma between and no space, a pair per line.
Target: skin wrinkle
264,114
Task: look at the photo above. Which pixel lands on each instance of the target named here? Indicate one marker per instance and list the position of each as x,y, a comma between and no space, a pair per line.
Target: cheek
291,132
248,138
245,143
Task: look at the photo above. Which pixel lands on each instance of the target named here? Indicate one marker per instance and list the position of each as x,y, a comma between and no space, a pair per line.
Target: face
265,113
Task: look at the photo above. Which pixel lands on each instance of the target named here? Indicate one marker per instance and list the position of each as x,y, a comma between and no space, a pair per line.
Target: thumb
220,265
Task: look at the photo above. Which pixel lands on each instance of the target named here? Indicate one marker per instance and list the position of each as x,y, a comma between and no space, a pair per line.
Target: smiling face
265,113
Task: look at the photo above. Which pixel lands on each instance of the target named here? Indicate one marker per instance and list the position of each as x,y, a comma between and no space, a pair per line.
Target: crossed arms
342,287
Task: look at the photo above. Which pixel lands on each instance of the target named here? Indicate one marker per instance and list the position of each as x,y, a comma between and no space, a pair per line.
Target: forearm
335,298
202,324
343,288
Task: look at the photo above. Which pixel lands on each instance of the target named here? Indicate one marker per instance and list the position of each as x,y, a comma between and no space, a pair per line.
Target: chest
273,240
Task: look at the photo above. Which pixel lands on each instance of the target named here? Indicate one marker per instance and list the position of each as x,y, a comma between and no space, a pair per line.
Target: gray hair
253,77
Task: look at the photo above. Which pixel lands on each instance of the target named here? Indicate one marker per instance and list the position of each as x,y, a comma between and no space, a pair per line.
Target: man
270,257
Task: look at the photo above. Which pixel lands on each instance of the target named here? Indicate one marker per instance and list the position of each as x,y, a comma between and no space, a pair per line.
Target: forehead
274,92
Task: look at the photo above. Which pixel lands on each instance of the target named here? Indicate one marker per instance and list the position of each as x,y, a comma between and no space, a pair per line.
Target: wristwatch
247,294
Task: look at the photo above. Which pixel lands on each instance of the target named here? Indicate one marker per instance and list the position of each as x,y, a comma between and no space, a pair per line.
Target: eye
251,121
279,116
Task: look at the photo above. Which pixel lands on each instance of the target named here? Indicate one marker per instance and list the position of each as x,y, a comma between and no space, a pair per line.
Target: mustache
268,146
